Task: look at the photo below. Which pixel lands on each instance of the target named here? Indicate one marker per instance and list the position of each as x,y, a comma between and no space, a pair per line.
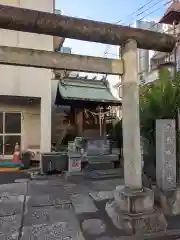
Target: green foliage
115,132
158,100
118,133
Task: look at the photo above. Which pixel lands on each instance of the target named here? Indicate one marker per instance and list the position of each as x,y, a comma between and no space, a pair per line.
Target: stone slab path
54,208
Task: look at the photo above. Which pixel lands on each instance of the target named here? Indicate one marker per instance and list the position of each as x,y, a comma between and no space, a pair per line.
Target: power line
150,7
105,52
136,11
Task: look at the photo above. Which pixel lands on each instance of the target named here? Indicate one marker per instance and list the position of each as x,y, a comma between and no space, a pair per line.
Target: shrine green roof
86,90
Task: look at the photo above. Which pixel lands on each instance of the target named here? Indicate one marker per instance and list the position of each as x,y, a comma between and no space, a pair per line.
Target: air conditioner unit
57,11
53,161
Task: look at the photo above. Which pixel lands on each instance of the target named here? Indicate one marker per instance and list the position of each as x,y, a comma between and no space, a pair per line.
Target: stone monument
167,192
166,154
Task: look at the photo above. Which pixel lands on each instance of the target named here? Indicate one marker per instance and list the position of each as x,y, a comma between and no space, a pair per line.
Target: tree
158,100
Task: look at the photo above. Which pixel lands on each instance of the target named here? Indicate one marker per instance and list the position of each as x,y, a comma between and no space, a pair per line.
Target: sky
110,11
106,11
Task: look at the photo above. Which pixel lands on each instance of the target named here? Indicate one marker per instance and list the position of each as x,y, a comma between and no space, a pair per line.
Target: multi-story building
143,54
25,93
170,21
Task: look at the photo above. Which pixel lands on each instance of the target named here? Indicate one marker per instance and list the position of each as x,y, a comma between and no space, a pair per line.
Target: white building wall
24,81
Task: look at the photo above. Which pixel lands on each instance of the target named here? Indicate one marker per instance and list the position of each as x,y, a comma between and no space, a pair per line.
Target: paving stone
97,165
58,231
36,176
10,236
21,180
10,224
52,182
93,226
13,189
106,185
40,189
107,238
10,205
121,238
49,200
102,195
115,171
83,204
47,215
75,189
102,186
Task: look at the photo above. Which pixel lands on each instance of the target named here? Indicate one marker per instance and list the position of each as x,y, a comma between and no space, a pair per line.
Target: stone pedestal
134,212
169,201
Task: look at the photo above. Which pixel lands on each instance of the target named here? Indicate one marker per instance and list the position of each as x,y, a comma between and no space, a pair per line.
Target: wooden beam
60,61
27,20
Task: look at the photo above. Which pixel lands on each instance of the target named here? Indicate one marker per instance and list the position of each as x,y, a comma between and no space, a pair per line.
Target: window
10,132
10,142
12,123
1,122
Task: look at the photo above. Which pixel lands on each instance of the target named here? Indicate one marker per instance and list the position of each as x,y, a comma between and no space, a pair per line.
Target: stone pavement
56,209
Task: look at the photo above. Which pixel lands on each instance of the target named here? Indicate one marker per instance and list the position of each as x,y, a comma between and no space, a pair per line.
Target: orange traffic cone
16,154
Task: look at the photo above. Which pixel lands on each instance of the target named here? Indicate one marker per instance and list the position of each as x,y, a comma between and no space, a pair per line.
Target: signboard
74,163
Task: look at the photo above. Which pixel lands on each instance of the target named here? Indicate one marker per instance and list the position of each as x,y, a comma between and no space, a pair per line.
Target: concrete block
82,203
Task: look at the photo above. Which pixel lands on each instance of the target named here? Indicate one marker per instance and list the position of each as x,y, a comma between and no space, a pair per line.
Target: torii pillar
130,120
133,207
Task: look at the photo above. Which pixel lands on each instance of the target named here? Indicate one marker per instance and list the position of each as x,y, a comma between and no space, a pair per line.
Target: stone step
103,158
105,174
100,165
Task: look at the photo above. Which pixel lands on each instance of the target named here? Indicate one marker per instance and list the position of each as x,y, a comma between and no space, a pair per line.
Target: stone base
133,211
169,201
136,223
134,201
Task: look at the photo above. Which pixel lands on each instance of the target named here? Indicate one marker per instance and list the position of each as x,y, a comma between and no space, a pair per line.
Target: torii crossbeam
27,20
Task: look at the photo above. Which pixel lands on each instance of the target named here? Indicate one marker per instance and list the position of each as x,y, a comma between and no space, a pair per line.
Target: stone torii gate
133,198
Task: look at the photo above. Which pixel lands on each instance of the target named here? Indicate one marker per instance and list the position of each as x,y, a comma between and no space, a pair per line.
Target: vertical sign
166,154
